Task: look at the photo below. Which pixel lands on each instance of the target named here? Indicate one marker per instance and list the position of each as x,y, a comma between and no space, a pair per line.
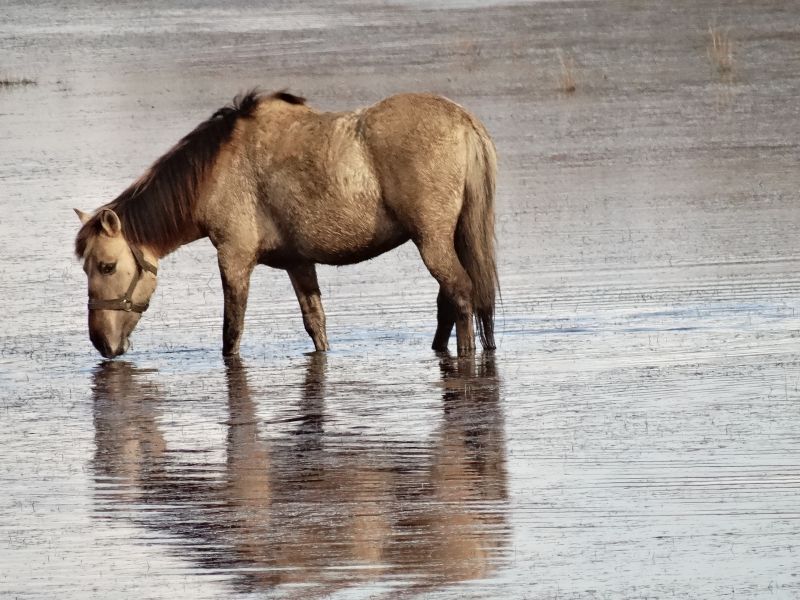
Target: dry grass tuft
720,49
567,82
16,81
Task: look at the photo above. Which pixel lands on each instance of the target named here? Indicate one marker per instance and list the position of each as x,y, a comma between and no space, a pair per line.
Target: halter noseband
125,302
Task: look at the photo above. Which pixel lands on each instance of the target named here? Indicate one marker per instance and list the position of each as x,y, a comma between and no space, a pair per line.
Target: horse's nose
102,345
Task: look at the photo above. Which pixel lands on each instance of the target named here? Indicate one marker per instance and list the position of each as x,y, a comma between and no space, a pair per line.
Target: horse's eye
106,268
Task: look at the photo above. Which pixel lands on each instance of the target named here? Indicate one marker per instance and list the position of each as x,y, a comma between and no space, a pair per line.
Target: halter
125,302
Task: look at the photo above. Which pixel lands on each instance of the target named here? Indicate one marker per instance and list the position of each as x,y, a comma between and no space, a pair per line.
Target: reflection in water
129,445
306,507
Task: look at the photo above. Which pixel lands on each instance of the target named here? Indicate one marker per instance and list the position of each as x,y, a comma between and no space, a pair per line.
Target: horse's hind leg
304,281
446,319
455,286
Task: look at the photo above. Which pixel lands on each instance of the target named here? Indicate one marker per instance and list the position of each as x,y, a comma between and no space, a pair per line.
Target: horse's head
122,278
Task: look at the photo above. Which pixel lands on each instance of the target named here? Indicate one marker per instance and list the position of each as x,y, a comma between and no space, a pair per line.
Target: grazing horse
272,181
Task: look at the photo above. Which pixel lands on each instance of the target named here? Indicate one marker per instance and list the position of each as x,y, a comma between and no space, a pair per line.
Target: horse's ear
110,222
84,217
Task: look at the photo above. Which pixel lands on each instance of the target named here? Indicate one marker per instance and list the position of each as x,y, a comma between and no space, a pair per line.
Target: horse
271,180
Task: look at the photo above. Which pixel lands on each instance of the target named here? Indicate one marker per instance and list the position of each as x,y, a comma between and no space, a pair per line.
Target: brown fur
272,181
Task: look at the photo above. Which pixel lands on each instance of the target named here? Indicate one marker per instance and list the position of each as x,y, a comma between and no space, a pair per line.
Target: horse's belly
351,236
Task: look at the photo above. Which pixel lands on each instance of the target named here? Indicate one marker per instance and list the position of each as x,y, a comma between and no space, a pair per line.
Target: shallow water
634,435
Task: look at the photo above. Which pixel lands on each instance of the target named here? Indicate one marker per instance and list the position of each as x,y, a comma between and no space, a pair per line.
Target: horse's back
406,111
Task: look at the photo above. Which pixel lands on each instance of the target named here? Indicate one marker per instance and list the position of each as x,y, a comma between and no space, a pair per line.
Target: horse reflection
310,507
129,446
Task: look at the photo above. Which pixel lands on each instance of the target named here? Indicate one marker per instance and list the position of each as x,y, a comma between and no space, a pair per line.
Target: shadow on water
307,506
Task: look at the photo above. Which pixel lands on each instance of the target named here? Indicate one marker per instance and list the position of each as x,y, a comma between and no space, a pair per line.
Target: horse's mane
157,209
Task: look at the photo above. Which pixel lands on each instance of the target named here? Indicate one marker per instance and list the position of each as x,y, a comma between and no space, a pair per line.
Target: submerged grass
566,81
6,82
720,49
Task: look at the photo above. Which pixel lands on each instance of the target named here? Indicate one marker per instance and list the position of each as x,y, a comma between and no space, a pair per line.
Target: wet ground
634,436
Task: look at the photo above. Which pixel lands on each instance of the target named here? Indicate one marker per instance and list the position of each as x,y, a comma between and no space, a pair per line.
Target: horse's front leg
235,273
304,281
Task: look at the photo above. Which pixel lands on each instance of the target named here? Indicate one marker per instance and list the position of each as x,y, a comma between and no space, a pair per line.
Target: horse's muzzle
104,348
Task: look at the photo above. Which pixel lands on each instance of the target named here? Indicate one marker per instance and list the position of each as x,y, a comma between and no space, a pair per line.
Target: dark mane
157,209
288,98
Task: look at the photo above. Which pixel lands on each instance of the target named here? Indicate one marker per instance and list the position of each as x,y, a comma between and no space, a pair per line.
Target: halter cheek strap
125,302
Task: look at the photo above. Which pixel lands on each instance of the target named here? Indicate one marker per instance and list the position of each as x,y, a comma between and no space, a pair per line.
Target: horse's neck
196,234
161,232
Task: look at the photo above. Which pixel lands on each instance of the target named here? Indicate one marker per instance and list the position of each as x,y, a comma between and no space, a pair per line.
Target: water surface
635,433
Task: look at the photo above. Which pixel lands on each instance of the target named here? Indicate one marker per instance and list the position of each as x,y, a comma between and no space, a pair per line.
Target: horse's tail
475,230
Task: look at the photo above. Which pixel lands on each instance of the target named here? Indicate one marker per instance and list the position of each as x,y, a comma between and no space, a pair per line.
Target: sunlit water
634,435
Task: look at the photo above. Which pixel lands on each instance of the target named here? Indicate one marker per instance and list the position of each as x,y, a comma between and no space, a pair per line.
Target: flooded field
635,435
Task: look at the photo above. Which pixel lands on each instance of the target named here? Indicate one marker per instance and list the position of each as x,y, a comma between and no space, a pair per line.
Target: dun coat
272,181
